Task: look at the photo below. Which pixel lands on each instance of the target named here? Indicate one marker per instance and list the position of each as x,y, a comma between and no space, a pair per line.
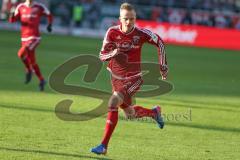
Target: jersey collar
120,28
29,5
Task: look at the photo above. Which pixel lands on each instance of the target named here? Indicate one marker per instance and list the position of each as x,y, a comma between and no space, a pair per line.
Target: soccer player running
122,48
29,14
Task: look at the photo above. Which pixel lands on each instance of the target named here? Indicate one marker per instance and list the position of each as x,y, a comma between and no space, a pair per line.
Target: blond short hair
127,7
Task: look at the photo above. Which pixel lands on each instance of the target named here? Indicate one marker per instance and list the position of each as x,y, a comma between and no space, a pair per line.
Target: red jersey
126,63
29,17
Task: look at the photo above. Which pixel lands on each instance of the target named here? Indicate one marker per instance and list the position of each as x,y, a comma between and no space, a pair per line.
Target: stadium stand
91,13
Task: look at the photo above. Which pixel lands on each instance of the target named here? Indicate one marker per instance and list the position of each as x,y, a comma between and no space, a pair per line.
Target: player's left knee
115,101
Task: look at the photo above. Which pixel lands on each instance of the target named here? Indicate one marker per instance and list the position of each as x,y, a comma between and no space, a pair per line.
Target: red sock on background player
35,67
37,72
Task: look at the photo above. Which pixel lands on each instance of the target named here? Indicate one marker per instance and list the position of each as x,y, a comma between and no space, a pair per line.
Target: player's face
127,19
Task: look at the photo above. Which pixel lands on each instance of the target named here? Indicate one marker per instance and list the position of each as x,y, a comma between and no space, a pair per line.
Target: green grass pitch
206,81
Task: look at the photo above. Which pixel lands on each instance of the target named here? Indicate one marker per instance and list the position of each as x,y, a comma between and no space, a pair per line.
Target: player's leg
23,55
111,122
32,47
112,118
137,111
134,111
35,65
37,70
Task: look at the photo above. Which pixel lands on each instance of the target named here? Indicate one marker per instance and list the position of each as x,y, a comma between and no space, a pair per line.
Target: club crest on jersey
136,40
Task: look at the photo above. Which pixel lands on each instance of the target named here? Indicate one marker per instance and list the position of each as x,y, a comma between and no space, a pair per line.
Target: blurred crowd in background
93,13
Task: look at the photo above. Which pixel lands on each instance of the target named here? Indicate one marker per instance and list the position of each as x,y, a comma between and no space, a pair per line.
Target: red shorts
31,44
127,88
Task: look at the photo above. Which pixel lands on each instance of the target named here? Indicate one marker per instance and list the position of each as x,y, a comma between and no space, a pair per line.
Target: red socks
27,65
37,71
143,112
112,120
111,123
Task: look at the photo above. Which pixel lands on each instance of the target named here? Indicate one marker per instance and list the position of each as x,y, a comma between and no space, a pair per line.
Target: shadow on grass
200,107
54,153
197,106
180,124
205,127
20,107
205,103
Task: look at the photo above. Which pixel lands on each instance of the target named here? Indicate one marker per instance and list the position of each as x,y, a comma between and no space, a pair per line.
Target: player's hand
164,71
49,28
115,52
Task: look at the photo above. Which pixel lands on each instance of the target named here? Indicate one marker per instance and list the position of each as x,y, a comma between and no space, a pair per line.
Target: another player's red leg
22,54
37,71
32,46
35,65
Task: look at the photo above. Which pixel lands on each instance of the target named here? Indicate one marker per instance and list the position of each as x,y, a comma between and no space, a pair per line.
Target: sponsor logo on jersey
29,15
136,40
125,45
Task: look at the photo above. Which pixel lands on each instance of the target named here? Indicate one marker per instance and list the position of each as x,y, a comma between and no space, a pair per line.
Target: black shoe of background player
28,77
42,85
